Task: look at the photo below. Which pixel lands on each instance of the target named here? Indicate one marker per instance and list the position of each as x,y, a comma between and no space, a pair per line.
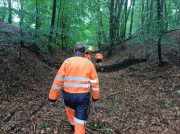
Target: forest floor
141,99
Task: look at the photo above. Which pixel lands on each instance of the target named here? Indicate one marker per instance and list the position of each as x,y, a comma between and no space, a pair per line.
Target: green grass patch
169,85
45,125
120,77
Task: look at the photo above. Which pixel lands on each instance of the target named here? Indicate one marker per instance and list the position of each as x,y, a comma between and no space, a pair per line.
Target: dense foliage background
98,23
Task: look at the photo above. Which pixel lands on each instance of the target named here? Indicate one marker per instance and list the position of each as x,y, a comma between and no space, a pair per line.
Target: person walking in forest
99,58
74,78
88,55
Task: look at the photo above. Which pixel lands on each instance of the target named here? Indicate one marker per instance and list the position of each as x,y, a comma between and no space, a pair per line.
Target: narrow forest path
142,98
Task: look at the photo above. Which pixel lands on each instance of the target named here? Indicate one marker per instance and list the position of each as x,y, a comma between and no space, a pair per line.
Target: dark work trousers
79,103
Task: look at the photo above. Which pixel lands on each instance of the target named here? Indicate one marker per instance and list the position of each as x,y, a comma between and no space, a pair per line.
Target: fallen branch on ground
113,94
89,130
122,64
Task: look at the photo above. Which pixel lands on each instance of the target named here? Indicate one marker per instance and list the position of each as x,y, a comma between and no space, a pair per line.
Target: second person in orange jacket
99,58
75,77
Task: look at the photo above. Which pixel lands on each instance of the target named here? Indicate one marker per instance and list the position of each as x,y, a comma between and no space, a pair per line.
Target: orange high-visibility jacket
75,76
88,56
99,56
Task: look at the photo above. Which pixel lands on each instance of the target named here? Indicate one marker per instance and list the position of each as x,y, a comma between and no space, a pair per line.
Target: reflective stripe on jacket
75,75
99,56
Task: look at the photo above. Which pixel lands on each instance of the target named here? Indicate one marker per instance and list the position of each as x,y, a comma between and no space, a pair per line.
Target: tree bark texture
132,16
10,11
159,16
52,24
111,27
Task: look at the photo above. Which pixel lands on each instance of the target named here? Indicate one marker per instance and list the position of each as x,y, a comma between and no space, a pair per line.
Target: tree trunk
117,21
142,17
62,28
37,19
159,17
101,35
132,16
10,11
57,25
166,15
147,15
52,25
121,64
111,27
177,16
150,16
21,30
126,14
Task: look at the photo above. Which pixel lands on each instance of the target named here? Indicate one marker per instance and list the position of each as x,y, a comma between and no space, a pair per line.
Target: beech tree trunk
132,18
52,25
119,4
111,28
10,11
159,16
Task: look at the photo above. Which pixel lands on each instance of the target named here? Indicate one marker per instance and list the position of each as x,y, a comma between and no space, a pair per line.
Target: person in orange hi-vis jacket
74,78
99,58
88,55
